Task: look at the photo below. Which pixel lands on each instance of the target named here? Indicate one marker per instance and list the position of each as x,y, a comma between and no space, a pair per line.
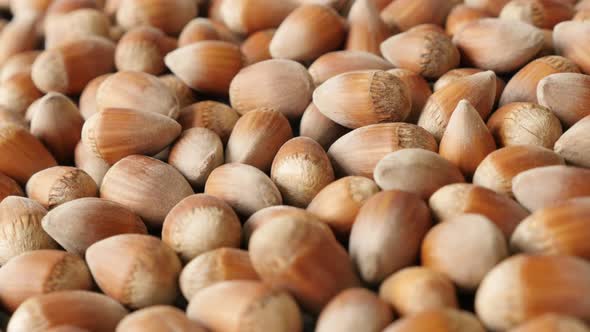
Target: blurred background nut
160,318
143,49
215,266
231,305
355,309
83,309
415,289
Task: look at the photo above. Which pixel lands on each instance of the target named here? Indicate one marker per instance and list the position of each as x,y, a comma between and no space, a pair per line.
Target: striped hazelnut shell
415,289
339,203
386,218
257,137
522,123
417,171
284,252
115,133
419,91
136,91
456,199
428,53
455,74
228,182
498,169
207,66
40,272
282,85
571,41
137,182
338,62
57,123
358,152
96,219
308,32
20,229
361,98
525,286
22,154
86,310
539,187
68,68
231,305
200,223
558,229
478,89
363,310
122,263
482,42
60,184
214,266
522,87
212,115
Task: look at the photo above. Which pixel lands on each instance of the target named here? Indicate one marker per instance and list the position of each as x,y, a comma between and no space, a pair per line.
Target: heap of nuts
295,165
